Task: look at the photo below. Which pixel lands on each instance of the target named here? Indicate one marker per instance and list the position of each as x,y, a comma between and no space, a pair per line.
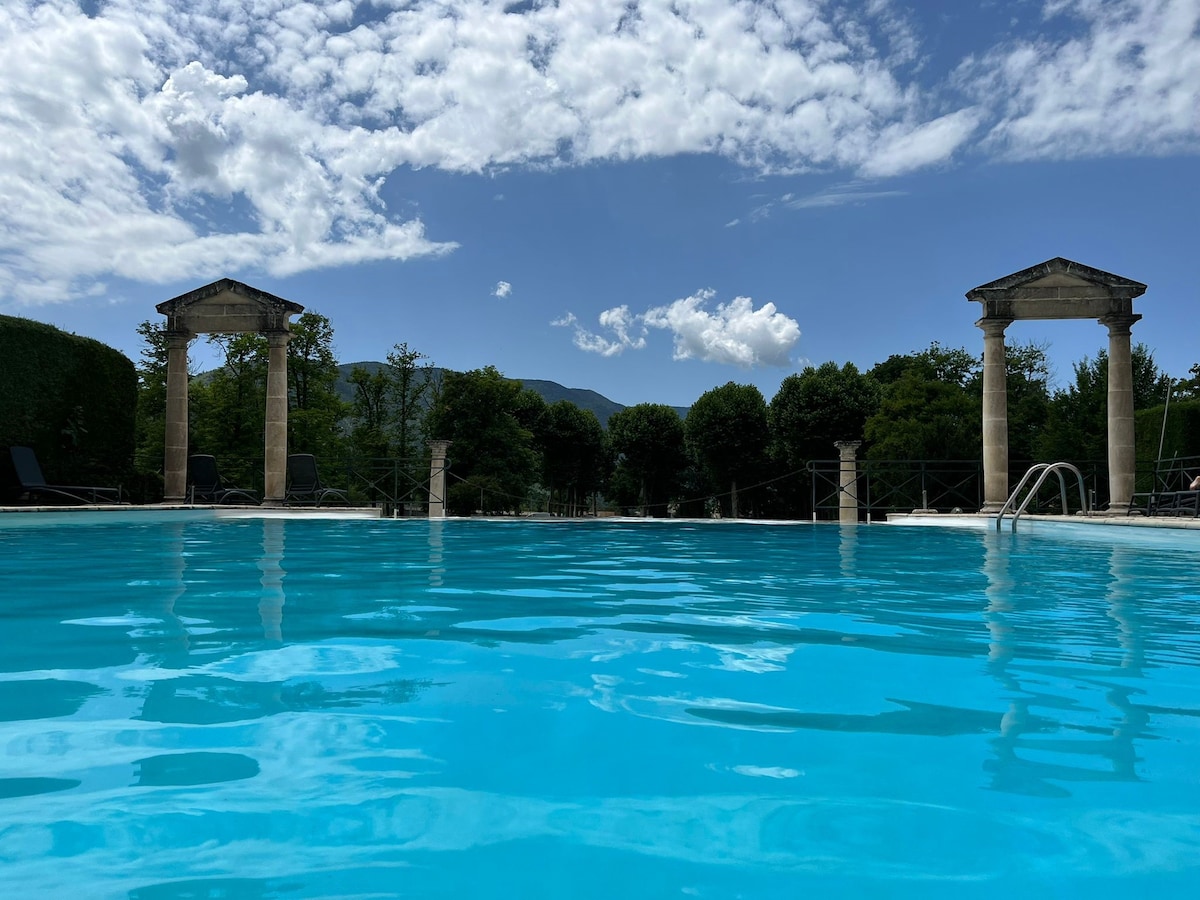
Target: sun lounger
304,484
207,486
30,484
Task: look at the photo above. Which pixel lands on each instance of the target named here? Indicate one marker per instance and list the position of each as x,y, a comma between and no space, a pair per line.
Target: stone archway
227,307
1058,289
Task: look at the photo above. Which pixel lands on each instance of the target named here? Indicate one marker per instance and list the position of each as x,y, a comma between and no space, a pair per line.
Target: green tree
948,365
1027,379
930,406
817,407
1077,420
493,460
410,376
575,455
921,418
370,411
726,432
648,442
150,424
316,412
229,407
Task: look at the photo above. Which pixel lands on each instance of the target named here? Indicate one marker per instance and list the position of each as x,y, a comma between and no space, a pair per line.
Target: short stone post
175,455
848,482
995,415
437,479
1122,456
275,441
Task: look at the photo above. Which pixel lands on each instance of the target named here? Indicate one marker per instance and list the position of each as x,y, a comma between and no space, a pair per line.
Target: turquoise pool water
296,708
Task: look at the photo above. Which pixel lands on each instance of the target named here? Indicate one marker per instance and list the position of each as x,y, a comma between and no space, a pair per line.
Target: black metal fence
901,486
399,486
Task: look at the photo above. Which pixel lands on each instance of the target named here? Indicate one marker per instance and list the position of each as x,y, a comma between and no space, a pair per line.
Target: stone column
437,479
1121,454
848,482
275,447
995,414
175,455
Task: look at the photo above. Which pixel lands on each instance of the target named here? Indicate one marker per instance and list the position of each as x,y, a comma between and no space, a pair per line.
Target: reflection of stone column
176,442
995,415
848,556
1121,454
270,604
275,444
1123,607
848,482
437,479
436,561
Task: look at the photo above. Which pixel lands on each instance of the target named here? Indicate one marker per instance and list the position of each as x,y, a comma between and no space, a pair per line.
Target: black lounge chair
30,484
206,485
304,484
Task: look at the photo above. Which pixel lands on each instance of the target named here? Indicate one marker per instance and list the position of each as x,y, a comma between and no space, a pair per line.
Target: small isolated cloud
618,321
734,333
502,289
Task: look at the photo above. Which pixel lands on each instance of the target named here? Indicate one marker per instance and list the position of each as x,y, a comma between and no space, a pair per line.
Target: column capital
847,449
1119,323
278,338
178,340
439,448
993,327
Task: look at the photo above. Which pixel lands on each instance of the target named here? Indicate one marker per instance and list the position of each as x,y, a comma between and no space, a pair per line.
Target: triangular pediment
1055,275
227,307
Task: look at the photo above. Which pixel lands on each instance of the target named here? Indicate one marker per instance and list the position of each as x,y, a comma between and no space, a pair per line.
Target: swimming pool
299,708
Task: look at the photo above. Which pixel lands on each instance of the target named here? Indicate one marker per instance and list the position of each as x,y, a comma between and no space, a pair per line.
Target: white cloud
734,334
502,289
1124,80
162,139
618,321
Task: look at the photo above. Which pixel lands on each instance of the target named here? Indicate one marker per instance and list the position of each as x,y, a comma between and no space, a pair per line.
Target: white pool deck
1098,524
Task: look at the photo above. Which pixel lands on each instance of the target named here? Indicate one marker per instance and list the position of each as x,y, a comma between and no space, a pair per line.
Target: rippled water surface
299,708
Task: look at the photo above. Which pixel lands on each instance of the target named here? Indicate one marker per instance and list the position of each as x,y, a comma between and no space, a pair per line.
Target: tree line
734,454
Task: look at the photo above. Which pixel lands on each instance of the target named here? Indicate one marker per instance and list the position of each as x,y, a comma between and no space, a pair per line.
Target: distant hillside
550,391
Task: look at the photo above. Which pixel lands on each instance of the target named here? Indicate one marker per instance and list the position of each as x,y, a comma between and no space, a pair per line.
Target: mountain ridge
550,391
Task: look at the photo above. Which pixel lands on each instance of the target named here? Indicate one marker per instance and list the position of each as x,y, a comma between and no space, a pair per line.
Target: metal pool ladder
1043,471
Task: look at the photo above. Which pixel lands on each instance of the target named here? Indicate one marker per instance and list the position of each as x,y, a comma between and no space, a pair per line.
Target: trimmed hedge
72,399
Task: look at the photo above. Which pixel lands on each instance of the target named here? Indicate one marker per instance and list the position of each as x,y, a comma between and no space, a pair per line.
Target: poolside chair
30,484
304,484
205,484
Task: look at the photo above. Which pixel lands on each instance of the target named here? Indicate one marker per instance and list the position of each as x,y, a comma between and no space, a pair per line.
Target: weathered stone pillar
1122,460
437,479
995,414
275,447
175,454
848,481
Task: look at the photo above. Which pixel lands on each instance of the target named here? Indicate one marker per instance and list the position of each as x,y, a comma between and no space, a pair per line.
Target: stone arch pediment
228,307
1057,289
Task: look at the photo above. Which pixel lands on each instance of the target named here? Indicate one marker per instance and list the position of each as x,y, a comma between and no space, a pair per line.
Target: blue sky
645,199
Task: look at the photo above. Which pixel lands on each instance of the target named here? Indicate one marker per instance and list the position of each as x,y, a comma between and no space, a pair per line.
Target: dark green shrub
70,398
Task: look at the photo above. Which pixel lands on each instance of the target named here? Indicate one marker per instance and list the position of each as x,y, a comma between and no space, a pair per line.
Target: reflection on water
668,707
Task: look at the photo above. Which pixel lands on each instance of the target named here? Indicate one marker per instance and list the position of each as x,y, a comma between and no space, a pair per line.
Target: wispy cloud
1123,78
168,139
733,333
502,289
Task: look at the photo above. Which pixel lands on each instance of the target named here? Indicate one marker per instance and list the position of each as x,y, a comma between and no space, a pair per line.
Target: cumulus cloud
502,289
1123,79
734,333
162,139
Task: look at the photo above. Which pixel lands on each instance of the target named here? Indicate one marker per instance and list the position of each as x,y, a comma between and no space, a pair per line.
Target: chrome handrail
1046,469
